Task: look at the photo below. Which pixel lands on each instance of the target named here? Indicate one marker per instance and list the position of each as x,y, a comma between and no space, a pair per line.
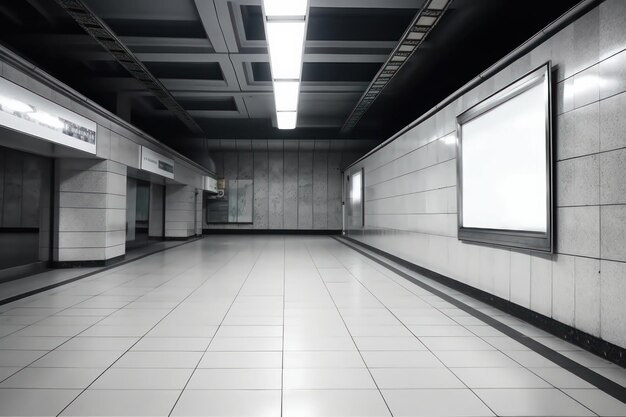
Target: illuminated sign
27,112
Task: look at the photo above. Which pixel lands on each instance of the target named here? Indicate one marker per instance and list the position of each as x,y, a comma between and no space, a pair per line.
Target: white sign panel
210,184
156,163
27,112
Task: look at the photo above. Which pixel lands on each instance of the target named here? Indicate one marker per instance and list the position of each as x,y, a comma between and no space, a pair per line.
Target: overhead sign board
24,111
156,163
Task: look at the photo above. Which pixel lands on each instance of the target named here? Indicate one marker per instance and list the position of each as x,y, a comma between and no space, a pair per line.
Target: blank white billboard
505,164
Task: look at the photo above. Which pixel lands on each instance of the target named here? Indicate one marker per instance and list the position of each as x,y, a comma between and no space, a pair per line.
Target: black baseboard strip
324,232
74,279
88,264
608,386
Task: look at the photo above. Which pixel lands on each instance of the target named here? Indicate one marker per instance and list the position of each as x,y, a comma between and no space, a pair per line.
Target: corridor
277,326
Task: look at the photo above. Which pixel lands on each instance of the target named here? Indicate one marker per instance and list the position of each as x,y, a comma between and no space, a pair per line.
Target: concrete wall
410,195
293,189
22,179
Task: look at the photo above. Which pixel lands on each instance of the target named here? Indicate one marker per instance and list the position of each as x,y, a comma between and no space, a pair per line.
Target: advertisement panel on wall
27,112
156,163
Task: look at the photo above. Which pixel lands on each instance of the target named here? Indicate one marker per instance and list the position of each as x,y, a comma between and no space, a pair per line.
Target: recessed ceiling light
286,46
286,95
286,119
285,7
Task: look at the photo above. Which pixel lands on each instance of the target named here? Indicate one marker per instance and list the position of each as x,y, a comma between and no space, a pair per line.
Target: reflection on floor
271,326
35,282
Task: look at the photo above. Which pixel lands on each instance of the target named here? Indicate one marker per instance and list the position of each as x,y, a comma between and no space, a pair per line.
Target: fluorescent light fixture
286,45
47,119
15,106
285,7
286,95
286,119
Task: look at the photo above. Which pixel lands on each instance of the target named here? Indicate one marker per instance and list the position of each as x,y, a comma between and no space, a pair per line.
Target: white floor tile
499,378
323,359
34,402
334,403
6,372
475,359
77,359
13,358
181,360
241,360
400,359
250,331
143,379
254,344
318,343
233,403
561,378
432,403
238,379
123,403
598,402
455,343
327,378
531,402
54,378
410,378
99,343
388,343
180,344
30,343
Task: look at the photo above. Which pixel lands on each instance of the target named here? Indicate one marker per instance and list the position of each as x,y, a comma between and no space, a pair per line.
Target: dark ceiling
211,55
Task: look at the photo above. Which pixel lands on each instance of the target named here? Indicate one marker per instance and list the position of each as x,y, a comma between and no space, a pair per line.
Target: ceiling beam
99,30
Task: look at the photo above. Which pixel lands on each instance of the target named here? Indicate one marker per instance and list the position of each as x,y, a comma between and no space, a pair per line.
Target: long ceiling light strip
285,29
421,25
101,32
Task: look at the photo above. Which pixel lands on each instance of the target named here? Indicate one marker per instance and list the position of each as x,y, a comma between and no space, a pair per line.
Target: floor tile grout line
141,337
604,384
348,330
218,327
406,327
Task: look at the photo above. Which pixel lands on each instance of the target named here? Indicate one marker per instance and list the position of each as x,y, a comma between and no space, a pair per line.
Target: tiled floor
275,326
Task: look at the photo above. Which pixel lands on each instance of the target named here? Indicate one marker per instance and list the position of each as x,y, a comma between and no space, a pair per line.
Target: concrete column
180,211
91,210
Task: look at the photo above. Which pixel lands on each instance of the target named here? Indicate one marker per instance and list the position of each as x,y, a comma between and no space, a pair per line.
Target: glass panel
356,200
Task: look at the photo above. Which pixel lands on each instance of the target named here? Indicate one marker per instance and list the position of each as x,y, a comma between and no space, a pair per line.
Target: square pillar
90,212
181,213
